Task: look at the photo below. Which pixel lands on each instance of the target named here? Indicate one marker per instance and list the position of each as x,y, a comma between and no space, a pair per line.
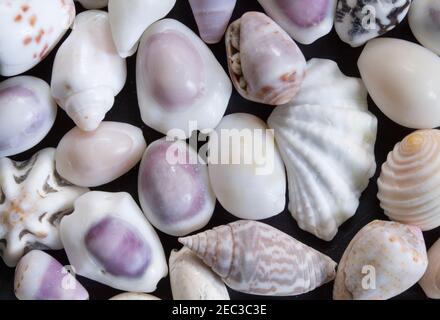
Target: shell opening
234,48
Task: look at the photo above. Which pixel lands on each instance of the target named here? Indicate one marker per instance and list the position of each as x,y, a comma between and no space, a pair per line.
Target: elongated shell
255,258
326,138
191,279
430,282
29,30
265,64
424,20
134,296
93,4
88,72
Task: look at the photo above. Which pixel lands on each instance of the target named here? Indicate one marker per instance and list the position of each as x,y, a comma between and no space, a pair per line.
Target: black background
126,110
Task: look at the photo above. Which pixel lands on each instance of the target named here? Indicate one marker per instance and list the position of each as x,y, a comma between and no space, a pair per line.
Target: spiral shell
255,258
430,282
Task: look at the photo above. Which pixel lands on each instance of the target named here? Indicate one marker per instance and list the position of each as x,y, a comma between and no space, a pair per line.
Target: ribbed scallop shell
255,258
409,184
430,282
326,137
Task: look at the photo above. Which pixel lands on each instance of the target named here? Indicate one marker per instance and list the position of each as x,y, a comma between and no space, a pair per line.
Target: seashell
108,239
129,20
179,81
38,276
430,282
326,138
424,20
88,72
134,296
29,30
191,279
265,64
245,168
212,17
93,4
174,188
409,184
27,113
255,258
98,157
33,198
401,78
358,21
383,260
306,21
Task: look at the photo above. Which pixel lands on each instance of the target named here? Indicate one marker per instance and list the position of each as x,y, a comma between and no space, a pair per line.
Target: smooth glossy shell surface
424,20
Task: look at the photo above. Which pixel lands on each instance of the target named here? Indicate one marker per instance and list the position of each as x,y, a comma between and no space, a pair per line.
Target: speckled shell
255,258
108,239
191,279
383,260
430,282
27,113
93,4
29,30
88,72
326,138
265,64
33,198
424,20
134,296
358,21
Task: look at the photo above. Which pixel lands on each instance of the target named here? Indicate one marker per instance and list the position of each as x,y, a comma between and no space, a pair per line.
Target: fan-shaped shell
430,282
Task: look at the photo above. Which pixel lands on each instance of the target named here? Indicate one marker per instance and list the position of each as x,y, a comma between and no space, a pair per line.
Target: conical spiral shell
255,258
430,282
409,184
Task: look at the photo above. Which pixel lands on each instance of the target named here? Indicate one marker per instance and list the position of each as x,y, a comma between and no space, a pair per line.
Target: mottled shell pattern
430,282
255,258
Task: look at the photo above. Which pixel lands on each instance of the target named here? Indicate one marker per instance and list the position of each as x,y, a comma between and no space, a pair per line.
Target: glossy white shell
424,20
88,72
27,113
247,174
108,239
93,4
134,296
29,30
430,282
181,86
401,77
326,138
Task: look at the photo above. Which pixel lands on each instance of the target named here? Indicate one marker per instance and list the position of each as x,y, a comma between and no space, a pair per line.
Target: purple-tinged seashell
424,20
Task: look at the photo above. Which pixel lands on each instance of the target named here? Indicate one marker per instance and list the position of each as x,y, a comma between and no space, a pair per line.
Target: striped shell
430,282
409,184
255,258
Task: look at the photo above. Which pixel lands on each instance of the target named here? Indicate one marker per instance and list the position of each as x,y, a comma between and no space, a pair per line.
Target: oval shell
424,20
430,282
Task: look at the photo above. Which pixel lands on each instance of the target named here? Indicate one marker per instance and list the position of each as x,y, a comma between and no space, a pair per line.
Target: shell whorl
409,184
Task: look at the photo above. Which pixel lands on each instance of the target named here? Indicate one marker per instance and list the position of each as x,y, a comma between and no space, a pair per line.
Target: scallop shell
430,282
38,276
29,30
255,258
134,296
424,20
326,138
265,64
191,279
27,113
33,198
93,4
88,72
383,260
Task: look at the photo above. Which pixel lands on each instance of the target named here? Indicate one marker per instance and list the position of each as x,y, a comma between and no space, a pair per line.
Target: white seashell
430,282
29,30
255,258
88,72
409,184
306,21
191,279
93,4
108,239
38,276
424,20
326,137
383,260
174,188
179,81
33,198
245,168
129,20
212,17
401,78
98,157
265,64
358,21
134,296
27,113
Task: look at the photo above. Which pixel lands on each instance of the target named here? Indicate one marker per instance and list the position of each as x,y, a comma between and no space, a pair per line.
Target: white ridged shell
430,282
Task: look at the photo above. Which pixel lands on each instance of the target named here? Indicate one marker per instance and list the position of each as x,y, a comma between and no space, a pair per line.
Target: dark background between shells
126,110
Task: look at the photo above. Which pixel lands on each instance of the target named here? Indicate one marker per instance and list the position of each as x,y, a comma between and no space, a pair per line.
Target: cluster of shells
320,149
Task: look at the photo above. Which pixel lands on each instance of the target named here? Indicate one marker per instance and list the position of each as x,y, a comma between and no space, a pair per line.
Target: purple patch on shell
434,15
305,13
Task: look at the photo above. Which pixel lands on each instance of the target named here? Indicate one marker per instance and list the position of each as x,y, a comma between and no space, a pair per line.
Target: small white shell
134,296
93,4
29,30
91,159
108,239
430,282
88,72
424,20
191,279
27,113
